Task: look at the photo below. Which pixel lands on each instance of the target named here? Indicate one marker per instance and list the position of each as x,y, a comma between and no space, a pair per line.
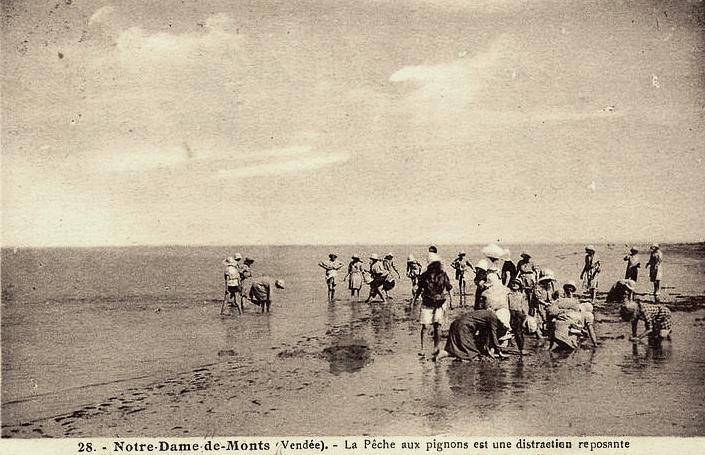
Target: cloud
102,15
220,37
449,87
296,159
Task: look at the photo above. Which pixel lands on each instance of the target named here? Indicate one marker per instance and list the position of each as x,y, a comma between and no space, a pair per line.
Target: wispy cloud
296,159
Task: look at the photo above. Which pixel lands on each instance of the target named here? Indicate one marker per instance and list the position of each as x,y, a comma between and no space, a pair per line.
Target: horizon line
196,245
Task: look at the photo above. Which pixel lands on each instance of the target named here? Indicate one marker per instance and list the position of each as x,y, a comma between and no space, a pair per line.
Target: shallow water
128,341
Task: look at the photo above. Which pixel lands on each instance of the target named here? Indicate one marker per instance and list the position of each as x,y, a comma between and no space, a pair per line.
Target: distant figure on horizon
331,266
655,272
355,276
413,270
461,264
633,264
590,271
259,291
390,280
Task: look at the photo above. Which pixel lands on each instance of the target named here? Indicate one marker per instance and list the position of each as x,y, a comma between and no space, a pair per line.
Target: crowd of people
241,285
510,300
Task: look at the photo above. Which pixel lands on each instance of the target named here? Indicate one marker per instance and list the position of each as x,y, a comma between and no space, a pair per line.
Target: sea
129,341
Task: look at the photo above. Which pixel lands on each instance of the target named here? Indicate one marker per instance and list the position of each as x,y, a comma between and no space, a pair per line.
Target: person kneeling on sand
622,291
570,327
657,321
434,284
471,336
260,291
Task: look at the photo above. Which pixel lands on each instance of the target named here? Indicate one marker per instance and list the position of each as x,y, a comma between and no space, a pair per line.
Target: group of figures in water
511,300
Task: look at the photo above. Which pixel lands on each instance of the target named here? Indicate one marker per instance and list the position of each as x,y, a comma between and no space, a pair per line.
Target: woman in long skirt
473,335
355,276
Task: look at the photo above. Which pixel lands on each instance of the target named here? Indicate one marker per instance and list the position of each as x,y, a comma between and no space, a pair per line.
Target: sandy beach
120,359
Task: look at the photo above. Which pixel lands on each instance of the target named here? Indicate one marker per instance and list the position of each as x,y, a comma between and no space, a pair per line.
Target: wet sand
168,367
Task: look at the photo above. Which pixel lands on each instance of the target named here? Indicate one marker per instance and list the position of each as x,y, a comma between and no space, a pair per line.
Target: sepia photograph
438,218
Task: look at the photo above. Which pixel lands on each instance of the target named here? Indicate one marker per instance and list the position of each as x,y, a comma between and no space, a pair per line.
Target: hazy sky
195,122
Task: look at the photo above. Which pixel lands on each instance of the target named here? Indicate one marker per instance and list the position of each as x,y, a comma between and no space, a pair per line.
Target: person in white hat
259,291
461,264
355,276
331,266
545,293
232,286
379,275
414,268
434,286
590,271
655,272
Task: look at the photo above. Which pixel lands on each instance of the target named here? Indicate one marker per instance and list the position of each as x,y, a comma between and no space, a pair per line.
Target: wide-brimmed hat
493,251
630,284
374,257
389,256
628,311
570,283
524,254
482,264
280,284
462,253
633,250
547,275
655,246
432,249
238,257
590,248
518,282
332,255
249,259
229,260
531,325
355,256
433,257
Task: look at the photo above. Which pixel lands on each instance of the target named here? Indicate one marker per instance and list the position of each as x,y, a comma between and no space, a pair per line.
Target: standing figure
526,272
655,272
434,284
413,271
379,275
460,264
232,285
355,276
480,277
331,266
509,269
590,271
657,321
390,281
633,264
545,293
519,312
